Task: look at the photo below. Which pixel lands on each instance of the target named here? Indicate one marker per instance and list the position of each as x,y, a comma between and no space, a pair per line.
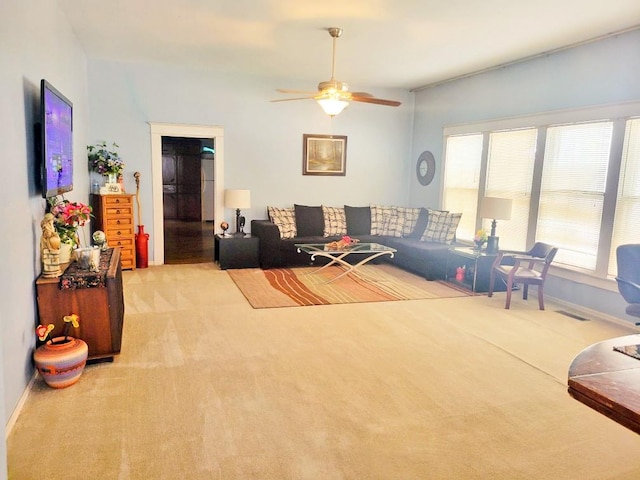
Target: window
572,193
555,167
509,175
626,227
462,177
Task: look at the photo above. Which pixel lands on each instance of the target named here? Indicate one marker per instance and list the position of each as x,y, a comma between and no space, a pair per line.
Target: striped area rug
290,287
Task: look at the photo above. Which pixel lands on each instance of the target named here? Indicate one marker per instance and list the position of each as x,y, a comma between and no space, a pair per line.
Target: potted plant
60,360
105,161
69,216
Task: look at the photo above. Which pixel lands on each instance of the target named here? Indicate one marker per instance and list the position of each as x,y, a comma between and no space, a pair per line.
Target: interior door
181,179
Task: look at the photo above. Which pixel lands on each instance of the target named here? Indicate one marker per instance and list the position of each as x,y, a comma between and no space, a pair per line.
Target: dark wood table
608,381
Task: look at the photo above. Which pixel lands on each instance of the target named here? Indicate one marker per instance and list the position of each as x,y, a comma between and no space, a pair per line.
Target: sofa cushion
285,219
358,220
410,216
442,227
378,212
420,225
309,221
393,224
335,222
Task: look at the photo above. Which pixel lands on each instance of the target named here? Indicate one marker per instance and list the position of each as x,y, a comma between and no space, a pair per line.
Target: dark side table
236,252
477,265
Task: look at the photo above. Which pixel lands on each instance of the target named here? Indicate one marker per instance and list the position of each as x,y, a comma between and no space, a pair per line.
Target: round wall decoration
425,168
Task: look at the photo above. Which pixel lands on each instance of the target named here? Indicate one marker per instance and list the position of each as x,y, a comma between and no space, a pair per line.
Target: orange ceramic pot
61,362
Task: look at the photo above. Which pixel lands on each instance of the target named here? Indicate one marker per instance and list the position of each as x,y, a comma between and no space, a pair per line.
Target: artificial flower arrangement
481,236
104,161
345,242
69,216
43,331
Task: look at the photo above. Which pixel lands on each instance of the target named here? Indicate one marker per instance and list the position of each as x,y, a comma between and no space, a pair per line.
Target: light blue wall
599,73
263,140
35,42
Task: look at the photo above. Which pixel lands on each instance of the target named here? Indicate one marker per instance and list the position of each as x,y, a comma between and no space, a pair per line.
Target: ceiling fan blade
377,101
361,94
289,99
282,90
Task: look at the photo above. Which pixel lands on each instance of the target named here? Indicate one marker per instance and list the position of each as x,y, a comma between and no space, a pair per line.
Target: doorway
160,130
188,166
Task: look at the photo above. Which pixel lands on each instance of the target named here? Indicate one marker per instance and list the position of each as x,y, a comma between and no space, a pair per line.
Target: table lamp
238,199
495,209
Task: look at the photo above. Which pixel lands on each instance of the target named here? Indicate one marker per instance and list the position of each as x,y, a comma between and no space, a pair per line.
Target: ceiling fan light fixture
332,105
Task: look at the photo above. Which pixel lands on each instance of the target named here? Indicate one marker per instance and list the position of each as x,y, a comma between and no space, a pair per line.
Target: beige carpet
208,387
304,286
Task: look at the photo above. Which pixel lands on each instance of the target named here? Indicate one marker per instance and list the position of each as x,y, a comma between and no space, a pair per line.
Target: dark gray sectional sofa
421,236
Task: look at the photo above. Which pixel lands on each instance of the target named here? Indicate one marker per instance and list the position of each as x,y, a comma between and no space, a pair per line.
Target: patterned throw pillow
335,221
285,219
442,227
393,225
378,212
410,219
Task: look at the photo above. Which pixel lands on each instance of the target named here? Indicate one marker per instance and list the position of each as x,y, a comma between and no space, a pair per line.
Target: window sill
583,277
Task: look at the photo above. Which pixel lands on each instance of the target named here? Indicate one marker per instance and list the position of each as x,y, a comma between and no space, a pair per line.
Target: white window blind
572,191
462,178
509,175
626,227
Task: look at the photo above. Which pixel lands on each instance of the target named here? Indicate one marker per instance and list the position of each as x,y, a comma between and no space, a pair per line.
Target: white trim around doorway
159,130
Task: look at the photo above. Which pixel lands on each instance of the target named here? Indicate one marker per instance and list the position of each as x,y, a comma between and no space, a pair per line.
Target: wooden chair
520,268
628,258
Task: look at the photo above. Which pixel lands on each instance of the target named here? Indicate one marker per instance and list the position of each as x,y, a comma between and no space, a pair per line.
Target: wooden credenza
113,214
100,308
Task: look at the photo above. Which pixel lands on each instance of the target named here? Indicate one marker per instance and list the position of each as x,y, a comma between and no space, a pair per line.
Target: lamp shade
237,198
332,105
496,208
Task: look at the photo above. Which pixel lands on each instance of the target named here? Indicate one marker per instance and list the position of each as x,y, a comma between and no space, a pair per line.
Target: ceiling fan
333,95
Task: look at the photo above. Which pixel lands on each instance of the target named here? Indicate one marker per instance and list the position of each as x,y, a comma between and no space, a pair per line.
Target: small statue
50,247
100,239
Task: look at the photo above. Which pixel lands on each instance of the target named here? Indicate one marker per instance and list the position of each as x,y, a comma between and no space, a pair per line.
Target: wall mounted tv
56,141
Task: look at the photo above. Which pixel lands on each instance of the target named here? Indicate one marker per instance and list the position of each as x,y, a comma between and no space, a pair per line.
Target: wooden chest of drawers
114,216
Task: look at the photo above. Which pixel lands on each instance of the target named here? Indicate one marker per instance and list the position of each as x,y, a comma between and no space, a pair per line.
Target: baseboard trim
16,411
590,313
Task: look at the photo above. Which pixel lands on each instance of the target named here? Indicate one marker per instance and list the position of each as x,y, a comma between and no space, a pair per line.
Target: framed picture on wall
324,154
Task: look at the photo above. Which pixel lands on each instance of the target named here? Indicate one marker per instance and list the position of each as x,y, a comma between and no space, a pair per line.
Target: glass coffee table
368,252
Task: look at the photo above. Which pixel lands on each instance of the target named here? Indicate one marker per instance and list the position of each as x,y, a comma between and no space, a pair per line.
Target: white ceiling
386,43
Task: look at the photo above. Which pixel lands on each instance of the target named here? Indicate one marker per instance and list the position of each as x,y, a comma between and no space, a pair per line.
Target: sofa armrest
269,250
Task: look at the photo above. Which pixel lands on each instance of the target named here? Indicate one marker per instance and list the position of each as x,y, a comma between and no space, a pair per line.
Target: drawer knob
117,200
119,233
118,222
118,212
119,243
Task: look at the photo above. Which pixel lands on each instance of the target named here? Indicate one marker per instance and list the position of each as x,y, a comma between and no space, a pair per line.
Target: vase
87,257
479,244
65,253
61,361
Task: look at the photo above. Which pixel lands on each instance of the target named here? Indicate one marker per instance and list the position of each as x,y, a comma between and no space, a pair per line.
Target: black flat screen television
56,141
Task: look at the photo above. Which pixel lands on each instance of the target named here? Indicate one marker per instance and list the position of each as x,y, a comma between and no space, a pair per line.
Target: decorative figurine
224,226
50,247
100,239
